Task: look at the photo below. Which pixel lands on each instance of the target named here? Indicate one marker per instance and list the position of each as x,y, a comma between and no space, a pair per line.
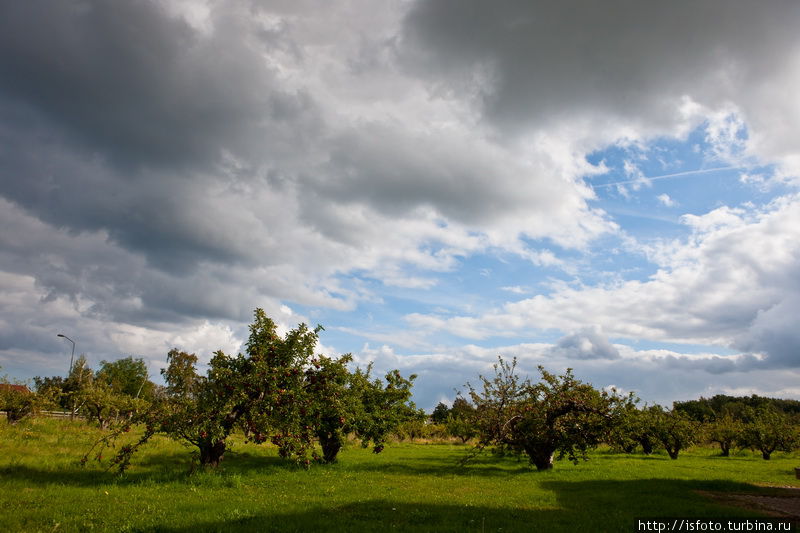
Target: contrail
666,176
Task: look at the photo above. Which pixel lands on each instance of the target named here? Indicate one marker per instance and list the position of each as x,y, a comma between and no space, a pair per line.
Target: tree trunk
726,449
673,452
629,448
766,454
647,446
211,452
331,444
541,459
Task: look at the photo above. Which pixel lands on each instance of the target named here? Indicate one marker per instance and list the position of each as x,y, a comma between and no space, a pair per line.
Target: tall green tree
440,413
126,376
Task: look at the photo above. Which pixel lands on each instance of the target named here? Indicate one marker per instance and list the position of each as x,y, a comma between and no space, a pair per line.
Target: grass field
407,487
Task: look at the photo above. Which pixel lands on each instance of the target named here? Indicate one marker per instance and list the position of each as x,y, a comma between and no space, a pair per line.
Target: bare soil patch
783,502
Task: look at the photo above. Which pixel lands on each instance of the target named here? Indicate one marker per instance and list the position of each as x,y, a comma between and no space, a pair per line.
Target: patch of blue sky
650,186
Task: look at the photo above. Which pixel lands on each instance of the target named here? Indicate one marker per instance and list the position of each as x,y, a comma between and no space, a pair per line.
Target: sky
611,187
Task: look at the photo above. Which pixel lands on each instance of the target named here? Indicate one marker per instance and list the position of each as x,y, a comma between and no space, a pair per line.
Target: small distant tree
674,429
80,378
461,428
126,376
440,413
462,408
18,401
460,421
726,431
117,390
558,415
104,405
768,430
52,388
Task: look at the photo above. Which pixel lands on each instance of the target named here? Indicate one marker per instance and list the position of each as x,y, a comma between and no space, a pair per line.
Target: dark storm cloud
395,171
134,84
536,63
116,116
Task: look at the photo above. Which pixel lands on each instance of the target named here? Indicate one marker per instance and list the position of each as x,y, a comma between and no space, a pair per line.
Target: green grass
407,487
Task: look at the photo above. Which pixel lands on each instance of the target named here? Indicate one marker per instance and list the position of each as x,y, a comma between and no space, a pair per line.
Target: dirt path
781,502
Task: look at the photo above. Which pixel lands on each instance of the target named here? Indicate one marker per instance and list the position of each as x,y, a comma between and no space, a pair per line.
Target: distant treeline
710,409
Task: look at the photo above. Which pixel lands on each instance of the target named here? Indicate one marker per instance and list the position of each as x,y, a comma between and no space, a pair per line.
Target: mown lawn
416,487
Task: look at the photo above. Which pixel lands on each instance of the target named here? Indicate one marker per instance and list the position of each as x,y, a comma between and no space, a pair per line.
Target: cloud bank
166,167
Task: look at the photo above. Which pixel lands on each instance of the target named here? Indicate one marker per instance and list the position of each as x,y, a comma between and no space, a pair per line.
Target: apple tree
277,391
673,429
559,415
767,430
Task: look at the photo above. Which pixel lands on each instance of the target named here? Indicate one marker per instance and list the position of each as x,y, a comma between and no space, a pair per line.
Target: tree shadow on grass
481,466
580,506
158,468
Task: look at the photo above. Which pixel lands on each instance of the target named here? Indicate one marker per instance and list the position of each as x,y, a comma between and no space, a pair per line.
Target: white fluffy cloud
732,284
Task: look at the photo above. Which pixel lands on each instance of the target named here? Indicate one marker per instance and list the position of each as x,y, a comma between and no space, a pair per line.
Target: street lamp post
73,350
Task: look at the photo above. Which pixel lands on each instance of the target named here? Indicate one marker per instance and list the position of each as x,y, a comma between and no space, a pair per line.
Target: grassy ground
407,487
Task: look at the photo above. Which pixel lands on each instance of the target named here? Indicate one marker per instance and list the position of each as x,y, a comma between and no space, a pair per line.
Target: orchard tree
624,432
674,429
644,428
381,408
101,403
17,401
558,415
462,408
461,428
633,426
768,430
333,405
726,431
278,390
